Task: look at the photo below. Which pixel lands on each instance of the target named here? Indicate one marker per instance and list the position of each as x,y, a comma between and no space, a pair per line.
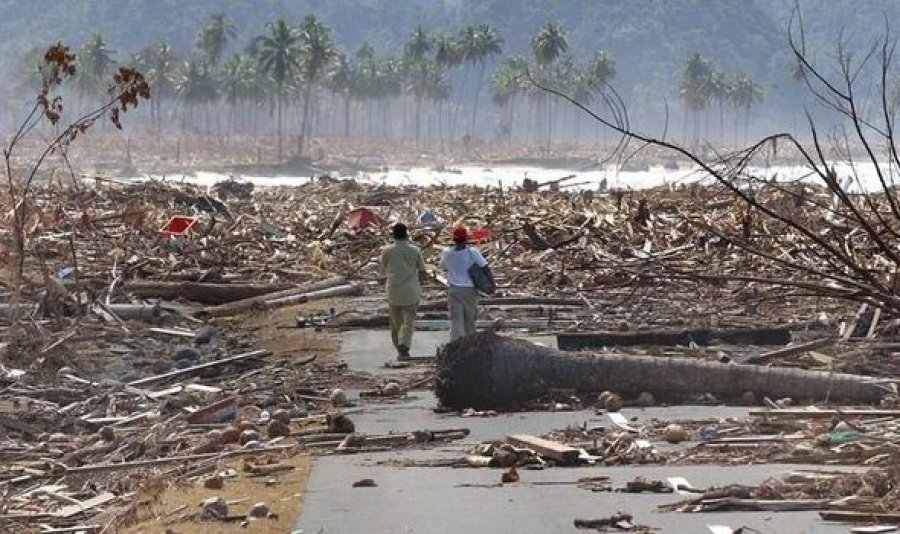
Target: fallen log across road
488,371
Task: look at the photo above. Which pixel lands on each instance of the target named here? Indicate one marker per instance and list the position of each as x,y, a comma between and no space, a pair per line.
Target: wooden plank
791,350
801,413
83,506
188,370
172,332
549,449
249,303
49,529
860,517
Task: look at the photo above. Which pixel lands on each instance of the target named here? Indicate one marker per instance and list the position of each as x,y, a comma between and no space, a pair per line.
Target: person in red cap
462,297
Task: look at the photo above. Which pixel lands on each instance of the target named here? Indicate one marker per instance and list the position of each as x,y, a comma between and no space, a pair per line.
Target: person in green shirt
401,262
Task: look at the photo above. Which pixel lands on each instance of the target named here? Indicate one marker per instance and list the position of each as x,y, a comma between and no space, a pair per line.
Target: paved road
430,500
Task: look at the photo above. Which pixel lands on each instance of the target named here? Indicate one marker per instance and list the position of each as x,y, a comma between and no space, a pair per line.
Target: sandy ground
161,513
161,508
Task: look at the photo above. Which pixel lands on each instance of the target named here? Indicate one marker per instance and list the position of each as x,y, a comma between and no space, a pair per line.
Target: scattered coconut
243,425
510,477
613,403
230,435
339,423
248,436
278,429
214,508
282,415
214,482
674,433
601,400
259,510
338,398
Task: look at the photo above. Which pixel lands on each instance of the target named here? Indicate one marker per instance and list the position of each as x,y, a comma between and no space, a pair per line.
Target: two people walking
401,262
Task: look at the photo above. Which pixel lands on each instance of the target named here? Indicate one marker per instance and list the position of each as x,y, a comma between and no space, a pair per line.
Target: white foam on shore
507,176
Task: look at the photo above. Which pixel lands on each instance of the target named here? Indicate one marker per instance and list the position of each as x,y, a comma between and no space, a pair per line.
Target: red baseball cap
460,234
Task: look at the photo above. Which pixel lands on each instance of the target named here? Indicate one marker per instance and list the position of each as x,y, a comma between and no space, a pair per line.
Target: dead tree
127,87
825,235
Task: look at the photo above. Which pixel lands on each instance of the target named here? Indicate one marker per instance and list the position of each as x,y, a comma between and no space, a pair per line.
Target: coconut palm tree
95,62
745,95
416,69
720,92
214,37
161,74
487,45
547,46
507,84
317,52
341,82
695,87
238,83
418,45
197,87
448,55
279,55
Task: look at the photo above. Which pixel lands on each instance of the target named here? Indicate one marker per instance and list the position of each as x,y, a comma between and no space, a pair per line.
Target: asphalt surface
440,500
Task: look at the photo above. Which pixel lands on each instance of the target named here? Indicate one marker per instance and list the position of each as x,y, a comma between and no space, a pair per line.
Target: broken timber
260,300
202,292
596,340
563,454
487,371
186,370
792,350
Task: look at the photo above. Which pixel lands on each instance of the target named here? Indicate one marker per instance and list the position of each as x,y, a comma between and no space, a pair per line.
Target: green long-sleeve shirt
401,263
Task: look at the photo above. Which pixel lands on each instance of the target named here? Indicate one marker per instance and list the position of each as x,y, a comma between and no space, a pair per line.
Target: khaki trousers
403,319
463,305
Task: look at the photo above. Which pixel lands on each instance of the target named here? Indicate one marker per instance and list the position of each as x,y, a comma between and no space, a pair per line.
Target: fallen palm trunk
488,371
202,292
702,337
259,301
327,293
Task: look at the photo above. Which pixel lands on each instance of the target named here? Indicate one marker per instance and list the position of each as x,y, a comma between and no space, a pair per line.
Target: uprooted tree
127,87
825,234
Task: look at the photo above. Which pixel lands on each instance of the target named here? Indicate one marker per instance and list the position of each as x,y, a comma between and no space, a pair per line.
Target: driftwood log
260,301
488,371
202,292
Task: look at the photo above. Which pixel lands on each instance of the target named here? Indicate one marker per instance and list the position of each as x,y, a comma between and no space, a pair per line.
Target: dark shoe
403,353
